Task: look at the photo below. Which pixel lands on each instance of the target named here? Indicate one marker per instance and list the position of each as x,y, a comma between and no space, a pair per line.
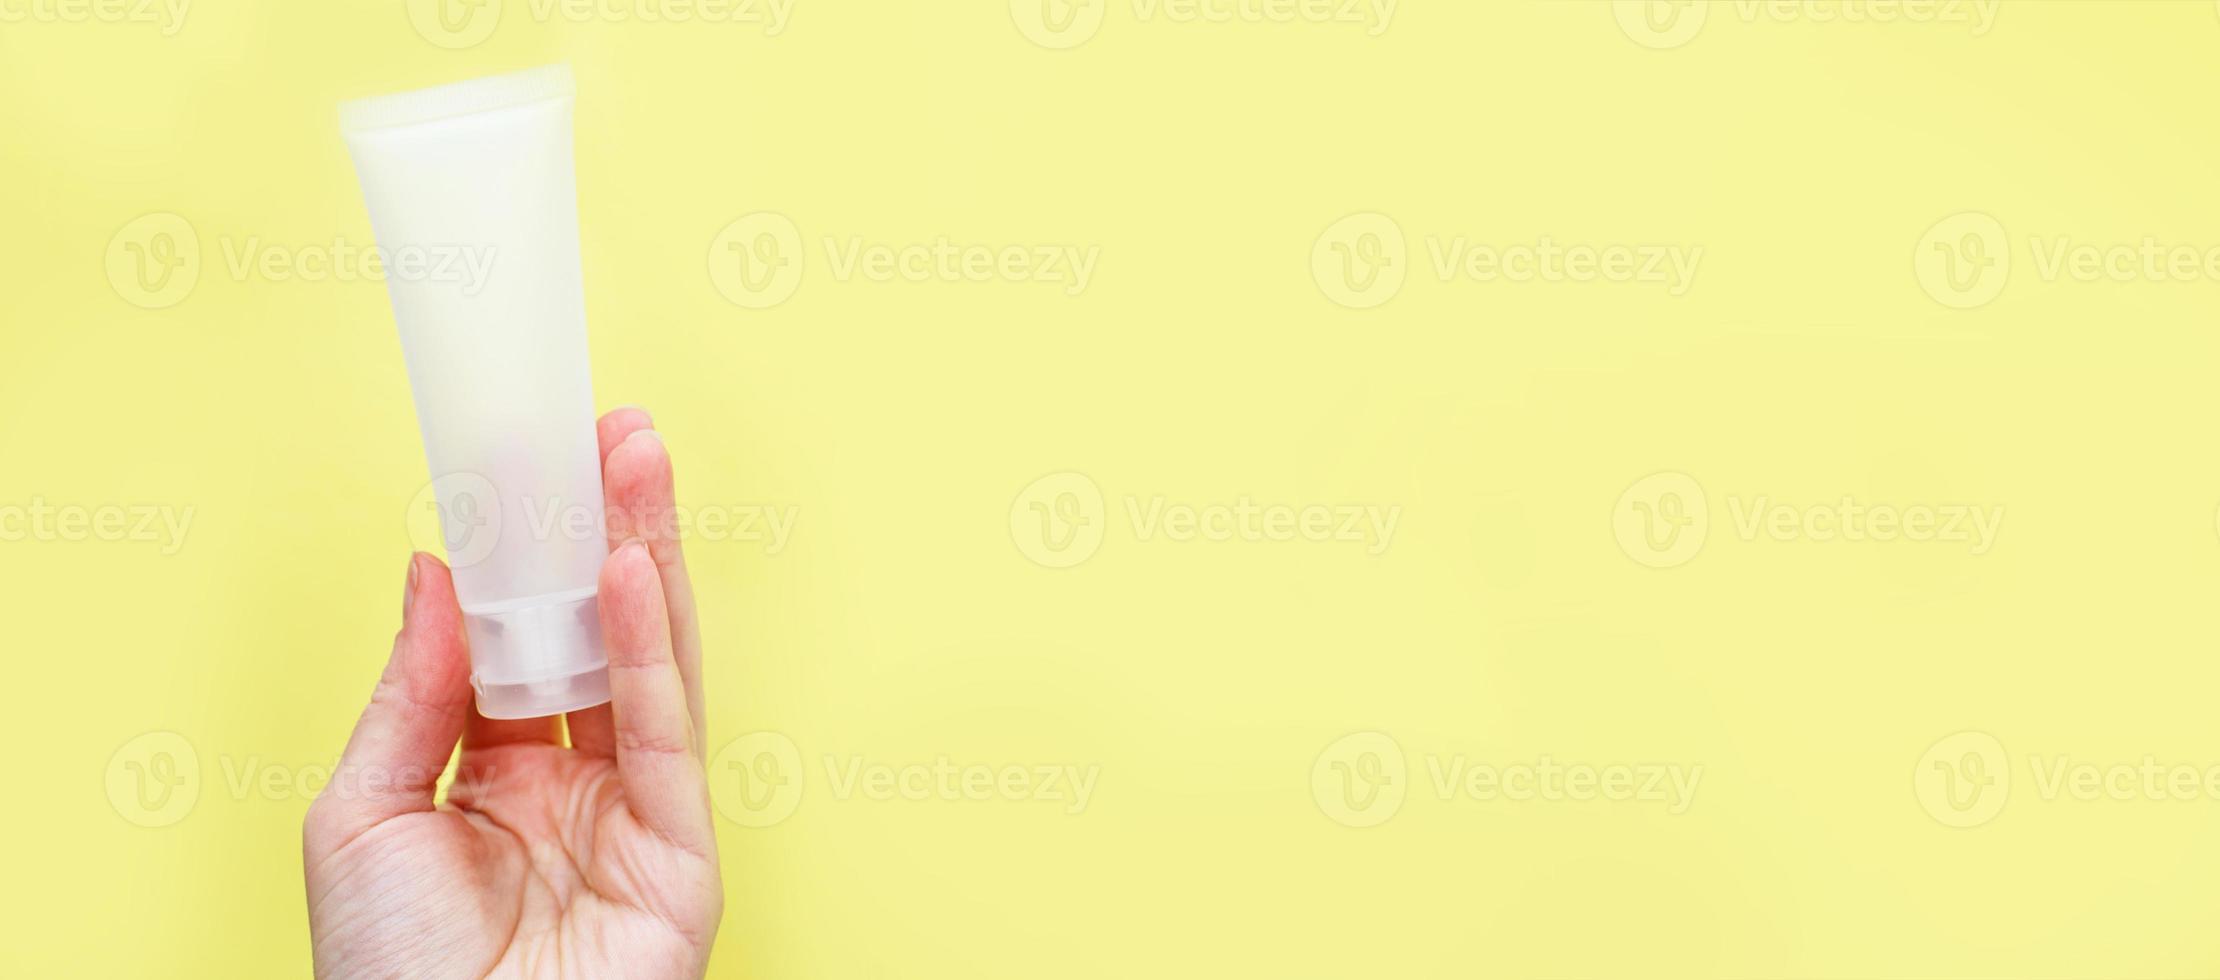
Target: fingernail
652,434
408,593
636,408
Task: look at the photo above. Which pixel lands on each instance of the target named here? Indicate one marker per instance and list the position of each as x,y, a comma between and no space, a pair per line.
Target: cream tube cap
536,657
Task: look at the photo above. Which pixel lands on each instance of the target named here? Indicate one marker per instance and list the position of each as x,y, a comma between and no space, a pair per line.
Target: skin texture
595,859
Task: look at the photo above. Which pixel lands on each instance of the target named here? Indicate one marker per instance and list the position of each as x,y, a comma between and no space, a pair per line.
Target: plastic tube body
477,177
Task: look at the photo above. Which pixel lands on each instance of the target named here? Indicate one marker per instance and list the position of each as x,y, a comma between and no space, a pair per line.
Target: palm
535,868
586,860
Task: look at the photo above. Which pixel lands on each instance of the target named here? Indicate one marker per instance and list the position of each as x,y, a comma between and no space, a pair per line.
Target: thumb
393,760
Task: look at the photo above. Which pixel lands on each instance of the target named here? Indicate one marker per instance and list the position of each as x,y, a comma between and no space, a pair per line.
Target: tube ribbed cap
530,660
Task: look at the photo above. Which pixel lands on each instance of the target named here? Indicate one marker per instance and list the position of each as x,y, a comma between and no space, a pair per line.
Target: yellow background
904,621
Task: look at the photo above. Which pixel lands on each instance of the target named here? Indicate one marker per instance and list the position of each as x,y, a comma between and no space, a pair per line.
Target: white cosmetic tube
476,179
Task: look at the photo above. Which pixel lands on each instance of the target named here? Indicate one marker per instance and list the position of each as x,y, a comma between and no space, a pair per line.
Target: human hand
592,860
